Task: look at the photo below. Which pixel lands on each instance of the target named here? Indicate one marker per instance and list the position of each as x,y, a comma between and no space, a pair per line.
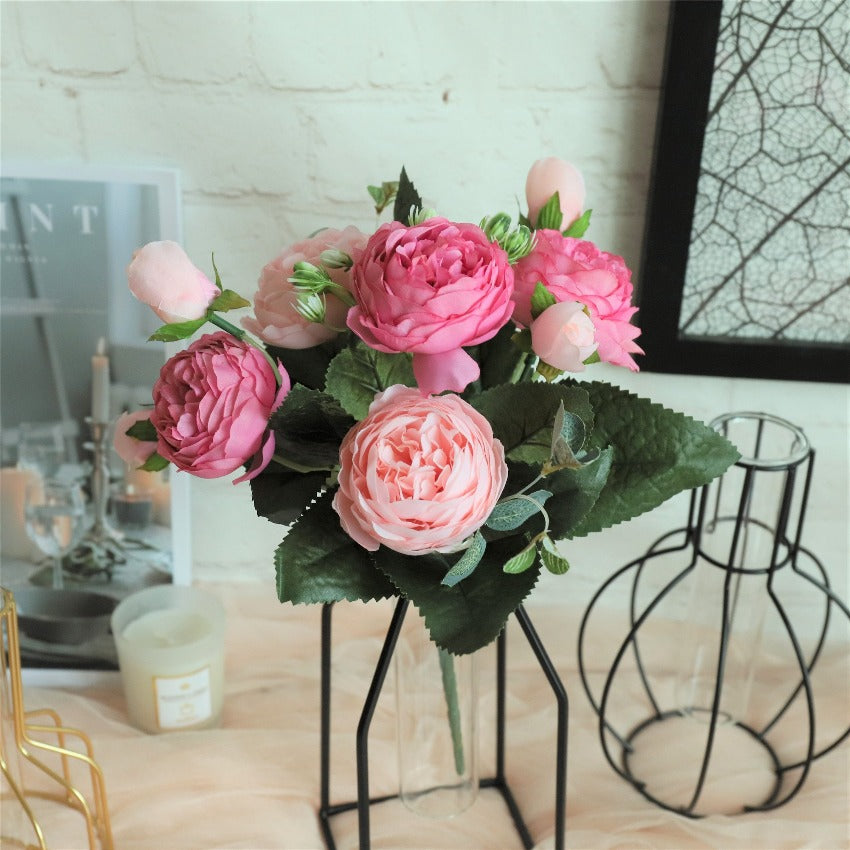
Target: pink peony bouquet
406,403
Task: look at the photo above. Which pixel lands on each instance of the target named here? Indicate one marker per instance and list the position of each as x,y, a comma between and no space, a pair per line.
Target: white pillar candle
170,643
100,383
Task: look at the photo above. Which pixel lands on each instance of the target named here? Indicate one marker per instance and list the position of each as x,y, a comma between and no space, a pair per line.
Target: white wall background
278,114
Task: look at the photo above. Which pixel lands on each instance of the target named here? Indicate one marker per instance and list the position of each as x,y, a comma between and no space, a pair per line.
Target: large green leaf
471,614
309,427
500,359
522,416
358,373
657,454
280,494
406,199
318,562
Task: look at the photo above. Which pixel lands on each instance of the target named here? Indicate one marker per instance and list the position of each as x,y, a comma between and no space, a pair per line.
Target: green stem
291,464
447,668
245,337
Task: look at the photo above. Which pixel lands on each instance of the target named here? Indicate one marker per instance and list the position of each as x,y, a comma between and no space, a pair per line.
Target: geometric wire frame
497,782
26,735
786,554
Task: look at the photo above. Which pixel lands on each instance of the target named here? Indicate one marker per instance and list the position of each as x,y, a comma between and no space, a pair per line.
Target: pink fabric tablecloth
253,783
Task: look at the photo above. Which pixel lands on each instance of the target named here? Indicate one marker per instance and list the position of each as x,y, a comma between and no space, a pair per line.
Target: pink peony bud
551,175
132,451
162,276
563,336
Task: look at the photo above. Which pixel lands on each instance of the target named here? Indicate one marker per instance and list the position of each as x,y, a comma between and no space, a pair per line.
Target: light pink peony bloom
575,270
563,336
132,451
277,321
551,175
418,474
212,403
162,276
431,289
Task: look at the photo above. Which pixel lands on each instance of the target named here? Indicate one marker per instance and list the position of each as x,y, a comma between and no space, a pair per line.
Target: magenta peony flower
575,270
430,289
162,276
551,175
212,403
563,336
132,451
418,474
277,321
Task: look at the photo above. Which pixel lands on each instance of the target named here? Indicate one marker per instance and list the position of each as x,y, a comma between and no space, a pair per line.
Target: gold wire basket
29,734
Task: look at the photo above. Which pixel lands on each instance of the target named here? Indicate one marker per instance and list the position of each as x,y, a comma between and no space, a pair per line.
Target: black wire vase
697,708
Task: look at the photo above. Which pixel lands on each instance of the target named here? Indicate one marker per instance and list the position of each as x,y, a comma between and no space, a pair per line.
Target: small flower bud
333,258
496,226
421,216
519,243
309,278
311,306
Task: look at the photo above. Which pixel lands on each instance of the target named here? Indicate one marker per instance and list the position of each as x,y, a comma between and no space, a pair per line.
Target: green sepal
228,300
556,563
142,430
593,358
358,373
215,270
550,216
175,331
154,463
467,562
511,513
318,562
521,561
579,227
541,298
406,198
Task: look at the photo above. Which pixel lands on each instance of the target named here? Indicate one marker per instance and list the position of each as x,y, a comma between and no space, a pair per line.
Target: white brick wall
278,114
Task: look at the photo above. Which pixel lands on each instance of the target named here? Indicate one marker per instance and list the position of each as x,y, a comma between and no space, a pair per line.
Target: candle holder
27,735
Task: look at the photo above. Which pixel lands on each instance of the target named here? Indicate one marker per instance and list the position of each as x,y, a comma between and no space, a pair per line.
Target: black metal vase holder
498,781
786,554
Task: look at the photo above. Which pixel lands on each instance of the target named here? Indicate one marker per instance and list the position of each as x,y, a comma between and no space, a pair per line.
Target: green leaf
215,269
228,300
522,415
550,216
657,454
467,563
541,298
308,366
521,561
556,563
406,198
176,330
383,194
142,430
511,513
501,360
309,426
281,494
357,374
579,227
568,435
154,463
318,562
470,615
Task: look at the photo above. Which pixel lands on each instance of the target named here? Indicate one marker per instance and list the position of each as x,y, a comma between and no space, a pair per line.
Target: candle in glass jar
170,643
100,383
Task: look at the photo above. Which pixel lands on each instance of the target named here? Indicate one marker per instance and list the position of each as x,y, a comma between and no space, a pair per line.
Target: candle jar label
183,700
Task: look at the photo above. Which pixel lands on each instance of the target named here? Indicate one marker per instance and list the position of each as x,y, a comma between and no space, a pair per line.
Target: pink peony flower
277,321
162,276
563,336
418,474
575,270
551,175
132,451
212,403
430,289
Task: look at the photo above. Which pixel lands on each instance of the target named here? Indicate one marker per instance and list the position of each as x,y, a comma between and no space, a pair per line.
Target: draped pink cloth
253,783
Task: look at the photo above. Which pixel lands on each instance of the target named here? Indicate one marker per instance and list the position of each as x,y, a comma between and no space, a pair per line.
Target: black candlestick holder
741,554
